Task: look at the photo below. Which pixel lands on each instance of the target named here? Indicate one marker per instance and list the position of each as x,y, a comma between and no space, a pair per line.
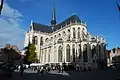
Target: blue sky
102,18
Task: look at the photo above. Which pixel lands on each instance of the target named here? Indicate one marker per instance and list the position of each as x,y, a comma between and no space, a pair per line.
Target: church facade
66,42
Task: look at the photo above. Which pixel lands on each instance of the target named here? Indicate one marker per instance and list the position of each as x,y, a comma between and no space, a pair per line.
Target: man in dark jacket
21,69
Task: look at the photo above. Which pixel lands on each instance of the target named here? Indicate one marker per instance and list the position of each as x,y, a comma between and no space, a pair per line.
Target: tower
53,21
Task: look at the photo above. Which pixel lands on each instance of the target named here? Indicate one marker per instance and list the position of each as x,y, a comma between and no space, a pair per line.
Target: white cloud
10,31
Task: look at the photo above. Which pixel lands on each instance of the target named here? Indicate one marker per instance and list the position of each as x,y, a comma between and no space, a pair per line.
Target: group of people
45,69
78,68
60,68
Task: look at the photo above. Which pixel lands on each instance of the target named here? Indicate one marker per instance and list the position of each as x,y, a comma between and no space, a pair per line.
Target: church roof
41,27
72,19
48,29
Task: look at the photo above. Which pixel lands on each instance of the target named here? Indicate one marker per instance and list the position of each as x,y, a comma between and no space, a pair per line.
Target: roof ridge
74,15
41,24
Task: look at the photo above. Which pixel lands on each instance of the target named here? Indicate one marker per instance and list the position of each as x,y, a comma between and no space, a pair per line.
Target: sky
102,18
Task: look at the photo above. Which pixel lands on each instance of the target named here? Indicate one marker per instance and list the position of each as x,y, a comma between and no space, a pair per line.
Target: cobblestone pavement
107,74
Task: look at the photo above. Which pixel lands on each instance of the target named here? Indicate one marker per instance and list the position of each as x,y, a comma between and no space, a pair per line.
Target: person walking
21,70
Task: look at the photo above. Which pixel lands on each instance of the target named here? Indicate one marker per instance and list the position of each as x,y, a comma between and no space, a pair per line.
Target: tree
32,57
30,54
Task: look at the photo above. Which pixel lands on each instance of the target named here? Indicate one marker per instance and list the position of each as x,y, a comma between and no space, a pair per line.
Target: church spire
53,21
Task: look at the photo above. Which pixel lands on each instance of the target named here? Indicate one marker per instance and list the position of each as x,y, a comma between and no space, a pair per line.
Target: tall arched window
85,56
68,53
79,51
41,41
74,35
78,32
93,51
73,53
60,54
35,39
68,35
99,47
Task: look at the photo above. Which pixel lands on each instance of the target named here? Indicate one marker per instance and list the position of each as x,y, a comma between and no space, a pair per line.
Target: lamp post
1,5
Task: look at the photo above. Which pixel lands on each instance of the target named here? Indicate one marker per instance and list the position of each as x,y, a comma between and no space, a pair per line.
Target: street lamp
1,5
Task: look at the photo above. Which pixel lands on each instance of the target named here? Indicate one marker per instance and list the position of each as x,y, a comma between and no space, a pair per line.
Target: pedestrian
77,67
62,68
38,70
42,69
21,70
59,69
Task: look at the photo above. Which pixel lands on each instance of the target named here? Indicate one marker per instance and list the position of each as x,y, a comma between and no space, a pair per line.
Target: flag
118,5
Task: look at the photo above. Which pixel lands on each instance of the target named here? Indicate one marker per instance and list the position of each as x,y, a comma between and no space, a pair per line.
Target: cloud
10,30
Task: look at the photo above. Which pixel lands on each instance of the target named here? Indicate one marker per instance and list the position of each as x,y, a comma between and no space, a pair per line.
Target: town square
56,39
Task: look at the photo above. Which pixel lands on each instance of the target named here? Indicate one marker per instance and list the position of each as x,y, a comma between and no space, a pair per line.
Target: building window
85,56
78,32
35,40
59,35
74,35
68,53
99,48
93,51
68,35
60,54
73,53
79,51
60,40
41,41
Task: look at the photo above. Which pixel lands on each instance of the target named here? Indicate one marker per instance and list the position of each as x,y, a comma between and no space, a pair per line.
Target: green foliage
31,55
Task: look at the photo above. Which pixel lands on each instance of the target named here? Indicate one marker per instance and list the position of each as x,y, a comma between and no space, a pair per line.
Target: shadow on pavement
107,74
35,76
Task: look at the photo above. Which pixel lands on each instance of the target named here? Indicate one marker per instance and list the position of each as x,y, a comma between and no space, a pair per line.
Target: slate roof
41,27
48,29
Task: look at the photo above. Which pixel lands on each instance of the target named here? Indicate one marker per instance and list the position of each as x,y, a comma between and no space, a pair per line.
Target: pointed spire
31,25
53,13
53,21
